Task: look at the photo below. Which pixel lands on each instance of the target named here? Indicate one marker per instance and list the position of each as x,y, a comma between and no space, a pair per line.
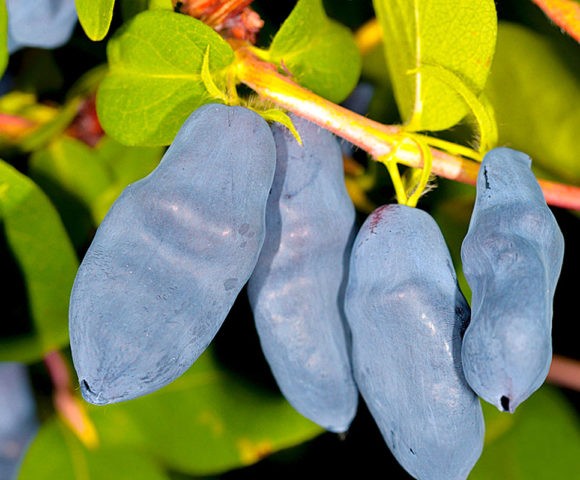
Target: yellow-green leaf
206,421
74,178
319,52
42,249
83,182
56,453
3,37
540,441
126,165
456,35
154,82
95,17
536,97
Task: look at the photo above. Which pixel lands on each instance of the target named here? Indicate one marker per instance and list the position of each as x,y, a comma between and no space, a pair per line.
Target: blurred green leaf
126,165
130,8
382,107
76,165
95,17
73,177
52,125
3,37
40,73
154,81
207,421
540,441
47,121
456,35
25,105
87,84
319,52
536,97
55,453
51,129
47,260
374,66
160,4
83,182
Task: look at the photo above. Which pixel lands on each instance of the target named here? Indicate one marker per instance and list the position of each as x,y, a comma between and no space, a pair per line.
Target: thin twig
564,13
565,372
376,139
68,406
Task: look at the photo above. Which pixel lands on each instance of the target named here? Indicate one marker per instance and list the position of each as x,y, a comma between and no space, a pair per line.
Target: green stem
393,170
425,173
449,147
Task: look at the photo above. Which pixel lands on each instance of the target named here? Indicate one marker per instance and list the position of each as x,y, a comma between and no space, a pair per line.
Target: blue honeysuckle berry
41,23
406,314
171,256
296,290
512,256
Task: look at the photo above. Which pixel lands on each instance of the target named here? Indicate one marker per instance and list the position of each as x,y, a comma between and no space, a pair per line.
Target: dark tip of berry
89,395
505,403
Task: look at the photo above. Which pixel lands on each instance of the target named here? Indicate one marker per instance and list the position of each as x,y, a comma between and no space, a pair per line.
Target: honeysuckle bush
435,85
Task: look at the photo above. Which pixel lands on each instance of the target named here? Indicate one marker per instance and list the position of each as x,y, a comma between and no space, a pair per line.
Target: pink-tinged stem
375,138
68,406
269,84
565,372
564,13
58,370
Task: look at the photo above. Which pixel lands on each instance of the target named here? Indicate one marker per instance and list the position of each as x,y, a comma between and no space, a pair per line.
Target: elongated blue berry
406,314
169,259
296,291
512,256
40,23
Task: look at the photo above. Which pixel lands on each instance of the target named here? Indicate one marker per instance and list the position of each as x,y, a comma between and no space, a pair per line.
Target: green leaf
480,108
3,37
540,441
53,121
536,96
83,182
86,86
126,165
130,8
56,453
47,260
42,135
160,4
24,106
319,52
74,178
456,35
95,17
155,81
382,106
213,90
207,421
275,115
